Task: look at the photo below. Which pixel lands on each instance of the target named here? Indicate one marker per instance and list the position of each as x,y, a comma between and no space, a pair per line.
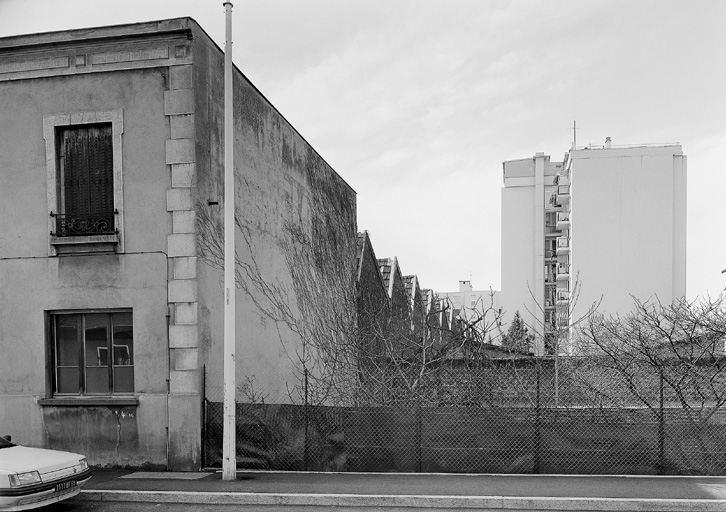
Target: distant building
397,294
372,301
470,304
611,219
418,318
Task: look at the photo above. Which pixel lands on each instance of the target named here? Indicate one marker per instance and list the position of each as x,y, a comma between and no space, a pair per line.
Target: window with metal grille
92,353
85,181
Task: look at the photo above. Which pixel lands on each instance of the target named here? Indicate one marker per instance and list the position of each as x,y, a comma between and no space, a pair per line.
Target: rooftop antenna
574,134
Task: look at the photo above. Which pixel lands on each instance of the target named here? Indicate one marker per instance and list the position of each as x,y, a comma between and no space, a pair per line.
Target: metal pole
229,449
306,450
419,434
538,422
661,430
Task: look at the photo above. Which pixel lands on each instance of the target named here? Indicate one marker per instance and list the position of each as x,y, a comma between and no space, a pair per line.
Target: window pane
123,339
67,380
67,340
123,353
96,351
97,380
123,379
67,353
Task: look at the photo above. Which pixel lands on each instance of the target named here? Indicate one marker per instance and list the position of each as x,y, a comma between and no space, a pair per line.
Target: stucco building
111,297
610,220
472,304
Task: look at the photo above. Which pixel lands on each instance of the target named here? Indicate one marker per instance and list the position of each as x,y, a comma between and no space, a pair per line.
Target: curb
408,501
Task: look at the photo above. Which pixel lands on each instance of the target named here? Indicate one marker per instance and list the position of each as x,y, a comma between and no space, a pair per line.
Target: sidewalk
398,491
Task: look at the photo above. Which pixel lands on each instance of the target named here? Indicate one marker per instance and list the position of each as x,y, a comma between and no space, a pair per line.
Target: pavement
397,491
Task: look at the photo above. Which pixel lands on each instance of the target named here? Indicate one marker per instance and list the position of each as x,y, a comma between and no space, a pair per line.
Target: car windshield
4,443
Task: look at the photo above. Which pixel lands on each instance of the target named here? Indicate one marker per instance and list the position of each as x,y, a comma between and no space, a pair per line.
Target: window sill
90,401
84,244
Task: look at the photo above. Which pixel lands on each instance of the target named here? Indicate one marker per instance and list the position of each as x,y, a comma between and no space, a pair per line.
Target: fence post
538,420
661,429
307,422
419,435
204,415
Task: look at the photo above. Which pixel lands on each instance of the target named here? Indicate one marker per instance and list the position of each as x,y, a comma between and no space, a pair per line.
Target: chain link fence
528,415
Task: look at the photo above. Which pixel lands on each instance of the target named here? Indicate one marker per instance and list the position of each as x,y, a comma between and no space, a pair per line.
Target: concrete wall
108,435
31,283
280,181
628,226
518,247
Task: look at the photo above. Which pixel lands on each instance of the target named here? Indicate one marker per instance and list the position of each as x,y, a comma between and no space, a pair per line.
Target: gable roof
365,246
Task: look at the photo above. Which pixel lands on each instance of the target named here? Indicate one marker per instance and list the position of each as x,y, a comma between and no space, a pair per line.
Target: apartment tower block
604,226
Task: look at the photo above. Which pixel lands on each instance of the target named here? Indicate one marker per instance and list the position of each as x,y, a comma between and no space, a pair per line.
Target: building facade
606,224
111,301
471,304
529,243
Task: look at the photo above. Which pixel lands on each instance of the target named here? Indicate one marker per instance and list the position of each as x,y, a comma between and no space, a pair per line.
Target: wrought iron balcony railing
71,224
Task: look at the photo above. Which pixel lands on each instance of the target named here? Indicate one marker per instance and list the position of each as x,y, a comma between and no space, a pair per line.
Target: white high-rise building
609,219
472,304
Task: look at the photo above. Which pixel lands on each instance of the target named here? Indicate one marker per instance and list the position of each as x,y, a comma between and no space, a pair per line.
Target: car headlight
83,463
21,479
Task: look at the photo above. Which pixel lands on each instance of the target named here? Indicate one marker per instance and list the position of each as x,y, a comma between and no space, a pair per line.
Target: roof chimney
607,142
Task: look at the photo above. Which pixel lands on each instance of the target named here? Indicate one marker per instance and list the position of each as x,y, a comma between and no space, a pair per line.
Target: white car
34,477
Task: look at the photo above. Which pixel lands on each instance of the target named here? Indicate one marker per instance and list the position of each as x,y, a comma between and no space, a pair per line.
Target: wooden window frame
83,395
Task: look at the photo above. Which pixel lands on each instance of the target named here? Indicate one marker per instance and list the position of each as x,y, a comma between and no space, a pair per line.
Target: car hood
19,459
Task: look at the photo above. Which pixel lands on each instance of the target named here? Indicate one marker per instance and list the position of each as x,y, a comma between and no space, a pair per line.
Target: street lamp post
229,449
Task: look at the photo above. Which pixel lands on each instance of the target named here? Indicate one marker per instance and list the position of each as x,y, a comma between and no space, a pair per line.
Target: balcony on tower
563,246
563,194
563,220
563,271
563,297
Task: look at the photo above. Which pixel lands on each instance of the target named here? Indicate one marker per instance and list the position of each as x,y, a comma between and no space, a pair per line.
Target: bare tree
315,300
556,328
668,359
556,332
425,361
679,346
349,352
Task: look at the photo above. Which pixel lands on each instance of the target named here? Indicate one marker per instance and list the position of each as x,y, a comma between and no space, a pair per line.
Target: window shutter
88,170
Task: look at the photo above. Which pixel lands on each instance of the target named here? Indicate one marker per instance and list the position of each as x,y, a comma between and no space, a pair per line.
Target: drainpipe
168,375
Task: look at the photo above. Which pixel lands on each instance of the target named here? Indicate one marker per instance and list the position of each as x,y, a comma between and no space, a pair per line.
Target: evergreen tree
517,339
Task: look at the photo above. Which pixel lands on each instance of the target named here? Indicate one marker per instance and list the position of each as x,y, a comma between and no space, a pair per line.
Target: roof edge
85,35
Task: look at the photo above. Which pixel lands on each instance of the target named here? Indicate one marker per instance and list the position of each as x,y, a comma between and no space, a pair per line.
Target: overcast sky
416,104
